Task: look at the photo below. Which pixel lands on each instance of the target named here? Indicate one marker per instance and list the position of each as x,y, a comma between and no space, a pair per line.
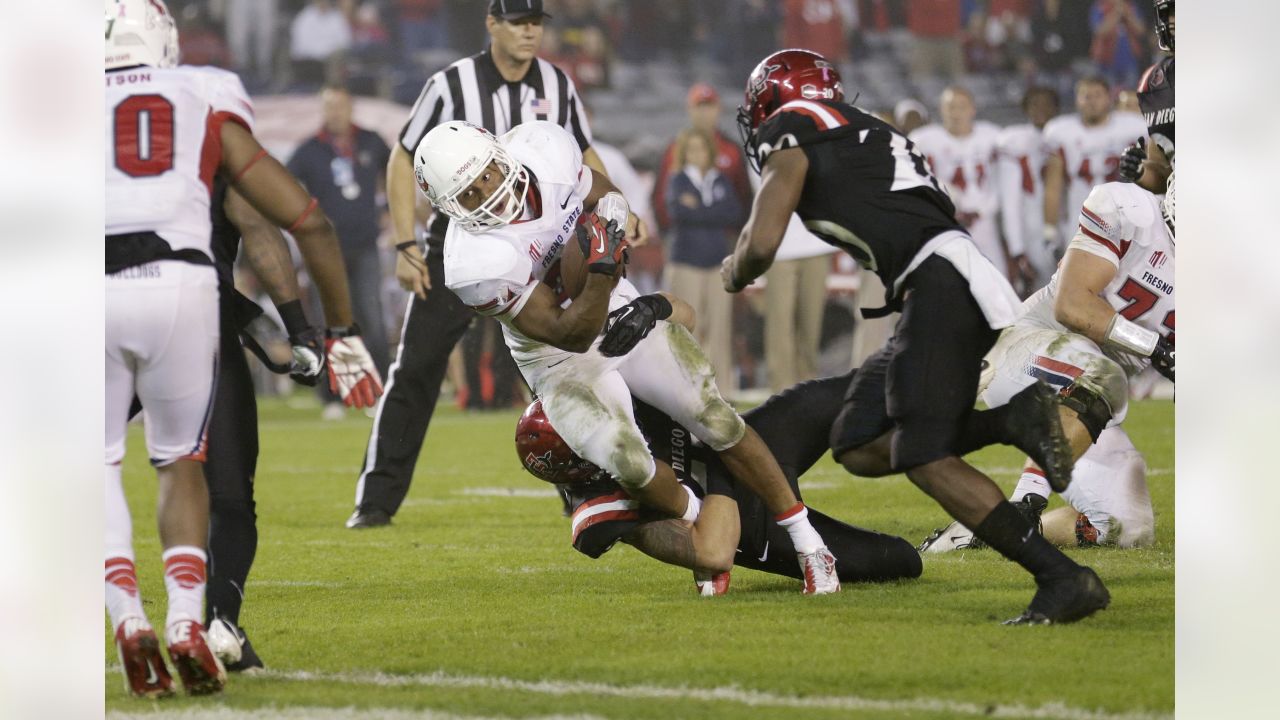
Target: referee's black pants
229,468
431,329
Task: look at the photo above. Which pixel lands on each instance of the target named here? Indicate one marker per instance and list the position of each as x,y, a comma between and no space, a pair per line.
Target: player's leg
780,324
862,432
796,423
1110,494
861,555
431,328
229,470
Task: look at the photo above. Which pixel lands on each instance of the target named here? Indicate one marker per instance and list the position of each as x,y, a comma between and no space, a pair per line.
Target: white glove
352,374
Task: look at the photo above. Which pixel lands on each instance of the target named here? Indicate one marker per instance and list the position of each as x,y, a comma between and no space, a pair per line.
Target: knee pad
1091,408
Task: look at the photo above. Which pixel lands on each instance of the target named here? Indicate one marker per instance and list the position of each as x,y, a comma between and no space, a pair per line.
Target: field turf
473,604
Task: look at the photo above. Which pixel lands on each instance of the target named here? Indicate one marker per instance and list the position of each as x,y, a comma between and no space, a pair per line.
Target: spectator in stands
1006,31
423,25
579,43
935,27
751,26
251,35
1059,35
200,43
706,215
320,34
822,26
343,166
795,298
703,103
1119,46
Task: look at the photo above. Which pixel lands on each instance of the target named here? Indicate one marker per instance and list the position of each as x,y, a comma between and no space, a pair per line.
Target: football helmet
140,32
544,453
780,78
1164,31
453,156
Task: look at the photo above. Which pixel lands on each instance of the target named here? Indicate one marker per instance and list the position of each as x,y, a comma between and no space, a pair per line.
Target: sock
982,428
123,600
796,522
692,511
1031,482
1006,530
184,578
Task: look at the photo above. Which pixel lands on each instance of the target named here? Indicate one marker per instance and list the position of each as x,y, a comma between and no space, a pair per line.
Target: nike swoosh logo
765,554
557,363
601,248
152,677
565,204
625,312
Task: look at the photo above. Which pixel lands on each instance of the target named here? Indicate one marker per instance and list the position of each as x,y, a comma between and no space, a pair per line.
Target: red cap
702,93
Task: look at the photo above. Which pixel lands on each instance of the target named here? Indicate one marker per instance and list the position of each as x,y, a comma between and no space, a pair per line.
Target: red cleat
145,673
201,671
711,585
819,568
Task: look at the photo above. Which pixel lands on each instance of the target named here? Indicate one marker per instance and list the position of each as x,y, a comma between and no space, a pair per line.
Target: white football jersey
1121,223
495,272
1091,155
966,166
163,147
1020,153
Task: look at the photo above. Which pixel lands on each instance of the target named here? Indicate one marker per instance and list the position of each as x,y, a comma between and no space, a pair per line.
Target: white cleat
819,568
952,537
224,642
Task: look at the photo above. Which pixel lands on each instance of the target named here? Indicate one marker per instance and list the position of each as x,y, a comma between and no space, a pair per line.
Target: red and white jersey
1020,153
1121,223
966,166
163,147
495,272
1090,154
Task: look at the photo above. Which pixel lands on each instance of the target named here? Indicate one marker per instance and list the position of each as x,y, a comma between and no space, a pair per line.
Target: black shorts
924,382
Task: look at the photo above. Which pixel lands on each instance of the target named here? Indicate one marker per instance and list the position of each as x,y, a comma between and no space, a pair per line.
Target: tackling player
170,131
1104,317
860,185
734,527
514,204
1155,98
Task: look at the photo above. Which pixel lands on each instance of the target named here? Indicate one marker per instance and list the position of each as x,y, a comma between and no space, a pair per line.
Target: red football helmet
544,453
780,78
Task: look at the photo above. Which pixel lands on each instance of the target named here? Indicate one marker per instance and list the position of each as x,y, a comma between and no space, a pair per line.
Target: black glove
308,356
631,323
1162,358
1131,161
603,245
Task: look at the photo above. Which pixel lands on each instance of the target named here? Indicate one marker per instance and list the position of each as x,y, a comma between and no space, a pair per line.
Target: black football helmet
1164,30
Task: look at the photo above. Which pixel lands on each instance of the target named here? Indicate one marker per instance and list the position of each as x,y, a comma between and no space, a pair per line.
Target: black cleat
1035,428
249,659
1065,599
1031,506
361,519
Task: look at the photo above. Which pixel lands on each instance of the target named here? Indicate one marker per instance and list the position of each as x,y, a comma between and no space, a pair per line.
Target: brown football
573,266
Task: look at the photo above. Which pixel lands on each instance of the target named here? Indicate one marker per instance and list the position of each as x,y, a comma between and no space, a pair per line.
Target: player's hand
726,276
1131,161
631,323
308,356
411,270
1021,274
604,245
1162,358
352,374
637,231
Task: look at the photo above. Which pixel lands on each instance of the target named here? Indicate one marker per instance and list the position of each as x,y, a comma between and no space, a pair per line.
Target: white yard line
751,698
324,713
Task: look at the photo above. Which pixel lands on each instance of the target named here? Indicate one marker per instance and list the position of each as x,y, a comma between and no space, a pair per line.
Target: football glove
631,323
1131,161
604,245
308,356
352,374
1162,358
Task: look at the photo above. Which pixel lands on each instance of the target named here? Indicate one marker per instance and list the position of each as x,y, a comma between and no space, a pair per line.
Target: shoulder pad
225,92
1119,210
547,149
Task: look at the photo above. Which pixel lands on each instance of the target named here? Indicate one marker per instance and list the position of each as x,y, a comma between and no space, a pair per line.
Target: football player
170,130
514,204
1151,165
1020,153
1104,317
1084,150
862,186
734,527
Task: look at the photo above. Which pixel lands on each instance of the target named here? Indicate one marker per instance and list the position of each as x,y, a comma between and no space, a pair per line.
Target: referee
497,89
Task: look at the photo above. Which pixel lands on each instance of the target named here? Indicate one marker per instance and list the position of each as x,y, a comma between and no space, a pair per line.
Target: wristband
295,320
343,332
613,207
661,306
311,206
1130,337
401,247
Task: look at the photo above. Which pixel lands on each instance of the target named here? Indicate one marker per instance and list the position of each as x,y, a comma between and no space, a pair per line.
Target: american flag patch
541,107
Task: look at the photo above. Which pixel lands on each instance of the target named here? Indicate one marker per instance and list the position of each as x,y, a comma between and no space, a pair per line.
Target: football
573,265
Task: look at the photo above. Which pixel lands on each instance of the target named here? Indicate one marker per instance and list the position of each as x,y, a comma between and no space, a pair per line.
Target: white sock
119,574
796,522
1032,481
184,578
694,508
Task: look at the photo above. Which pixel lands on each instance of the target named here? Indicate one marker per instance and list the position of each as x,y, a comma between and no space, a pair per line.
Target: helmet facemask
503,206
1164,31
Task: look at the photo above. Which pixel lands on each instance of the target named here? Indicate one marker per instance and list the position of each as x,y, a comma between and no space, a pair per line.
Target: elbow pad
613,207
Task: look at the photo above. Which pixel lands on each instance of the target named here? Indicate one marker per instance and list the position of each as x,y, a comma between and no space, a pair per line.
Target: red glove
352,374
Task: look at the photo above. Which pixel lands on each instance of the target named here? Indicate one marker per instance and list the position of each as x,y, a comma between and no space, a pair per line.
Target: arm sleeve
1011,187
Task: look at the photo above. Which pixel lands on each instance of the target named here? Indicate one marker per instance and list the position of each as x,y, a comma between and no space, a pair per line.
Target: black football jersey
226,237
1155,97
869,191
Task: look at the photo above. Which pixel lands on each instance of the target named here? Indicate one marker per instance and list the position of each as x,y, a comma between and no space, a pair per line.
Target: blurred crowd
662,79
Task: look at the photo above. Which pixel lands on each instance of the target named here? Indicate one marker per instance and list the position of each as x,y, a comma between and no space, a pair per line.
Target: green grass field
474,604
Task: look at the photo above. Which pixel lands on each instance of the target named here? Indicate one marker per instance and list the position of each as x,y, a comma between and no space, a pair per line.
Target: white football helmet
453,156
140,32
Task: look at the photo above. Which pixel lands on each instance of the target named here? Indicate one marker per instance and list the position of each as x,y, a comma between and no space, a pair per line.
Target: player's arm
1156,170
631,323
591,159
682,313
781,182
1055,182
707,544
1079,304
573,328
265,250
411,266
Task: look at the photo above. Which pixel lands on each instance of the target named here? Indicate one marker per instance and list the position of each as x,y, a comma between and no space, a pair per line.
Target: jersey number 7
1141,300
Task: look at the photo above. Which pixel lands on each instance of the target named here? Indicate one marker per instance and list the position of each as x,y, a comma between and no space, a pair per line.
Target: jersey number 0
144,135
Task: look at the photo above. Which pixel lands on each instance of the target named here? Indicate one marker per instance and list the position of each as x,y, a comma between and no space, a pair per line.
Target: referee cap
516,9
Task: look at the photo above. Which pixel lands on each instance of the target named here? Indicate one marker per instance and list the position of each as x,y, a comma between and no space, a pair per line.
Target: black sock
233,542
1012,535
983,428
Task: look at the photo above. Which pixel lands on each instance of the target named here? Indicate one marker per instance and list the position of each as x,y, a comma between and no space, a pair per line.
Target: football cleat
1035,428
1086,533
230,643
363,519
201,671
952,537
145,674
819,568
1065,599
709,585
